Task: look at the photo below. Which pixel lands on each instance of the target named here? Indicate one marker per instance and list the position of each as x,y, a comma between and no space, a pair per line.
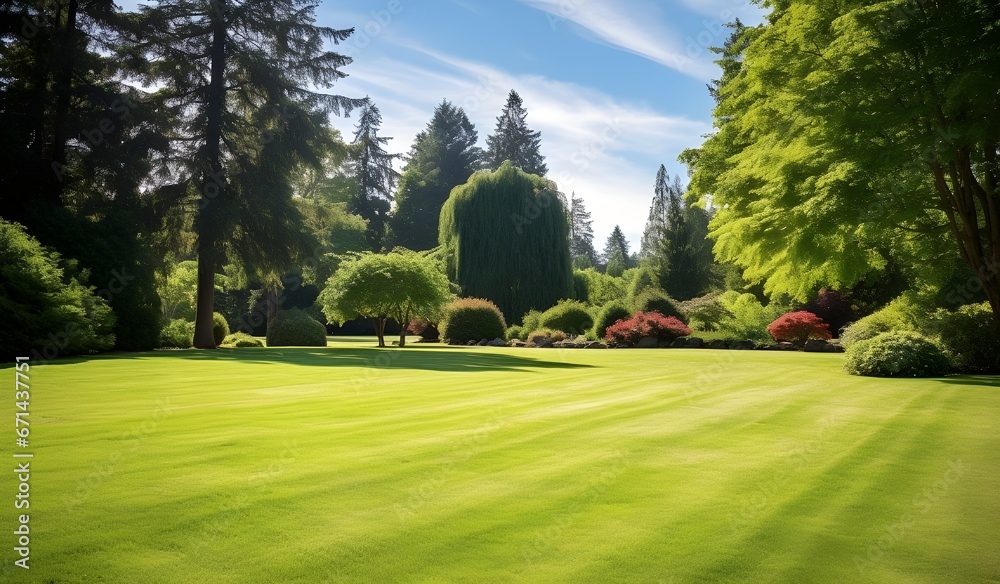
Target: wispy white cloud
604,149
636,27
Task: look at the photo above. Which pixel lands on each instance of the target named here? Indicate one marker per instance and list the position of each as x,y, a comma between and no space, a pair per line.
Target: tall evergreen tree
657,221
581,234
442,157
238,77
616,254
374,173
514,141
683,254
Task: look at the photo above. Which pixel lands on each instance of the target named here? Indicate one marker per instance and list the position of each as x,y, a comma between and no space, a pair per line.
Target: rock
471,344
782,346
816,346
695,342
718,344
542,343
742,345
516,343
679,343
594,345
647,343
483,343
498,342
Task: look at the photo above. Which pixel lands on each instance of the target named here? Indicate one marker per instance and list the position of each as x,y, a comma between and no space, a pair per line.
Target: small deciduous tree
798,326
399,285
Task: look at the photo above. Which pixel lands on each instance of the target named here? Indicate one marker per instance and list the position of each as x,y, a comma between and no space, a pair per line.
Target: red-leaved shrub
627,332
798,326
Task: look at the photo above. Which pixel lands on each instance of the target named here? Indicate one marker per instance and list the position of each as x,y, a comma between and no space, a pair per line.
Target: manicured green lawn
453,464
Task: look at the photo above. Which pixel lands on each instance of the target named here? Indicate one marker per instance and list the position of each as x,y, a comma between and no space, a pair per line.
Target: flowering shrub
799,326
646,324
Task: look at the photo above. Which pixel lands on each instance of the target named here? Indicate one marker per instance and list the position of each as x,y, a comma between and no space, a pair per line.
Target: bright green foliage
472,319
532,320
970,335
601,288
516,332
747,318
704,312
241,339
655,300
337,232
177,334
643,280
569,316
505,238
400,285
843,127
295,328
48,309
220,328
514,141
443,156
609,314
888,319
177,290
897,354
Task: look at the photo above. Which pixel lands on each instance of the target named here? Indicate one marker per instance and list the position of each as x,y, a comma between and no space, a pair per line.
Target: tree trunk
379,328
213,188
405,324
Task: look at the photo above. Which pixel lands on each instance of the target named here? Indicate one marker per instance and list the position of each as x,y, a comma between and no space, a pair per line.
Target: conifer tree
513,140
374,173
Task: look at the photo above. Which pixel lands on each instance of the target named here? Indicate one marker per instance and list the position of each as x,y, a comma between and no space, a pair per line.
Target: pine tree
657,221
374,173
442,157
513,140
683,254
616,254
581,234
237,77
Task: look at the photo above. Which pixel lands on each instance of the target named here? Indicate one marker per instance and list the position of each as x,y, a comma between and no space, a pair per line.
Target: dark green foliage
581,286
48,308
833,308
653,300
516,332
970,335
513,141
442,157
897,354
374,173
295,328
569,316
177,334
241,339
472,319
220,328
611,313
616,255
504,235
676,241
581,234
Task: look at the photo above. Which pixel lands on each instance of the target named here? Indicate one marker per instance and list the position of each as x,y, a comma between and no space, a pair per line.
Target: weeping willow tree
504,236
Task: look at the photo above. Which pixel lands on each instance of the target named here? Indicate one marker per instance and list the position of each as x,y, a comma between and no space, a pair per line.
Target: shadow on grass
439,359
967,380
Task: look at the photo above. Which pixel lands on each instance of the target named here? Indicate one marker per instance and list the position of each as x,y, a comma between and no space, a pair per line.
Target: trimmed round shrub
610,313
516,332
472,319
653,300
886,320
897,354
177,334
646,324
220,328
569,316
542,335
970,335
644,280
241,339
799,326
295,328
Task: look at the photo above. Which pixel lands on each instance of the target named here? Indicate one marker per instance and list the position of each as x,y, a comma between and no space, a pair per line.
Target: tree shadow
426,357
968,380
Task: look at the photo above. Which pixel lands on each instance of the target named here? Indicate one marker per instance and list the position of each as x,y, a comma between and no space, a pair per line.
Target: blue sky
616,87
